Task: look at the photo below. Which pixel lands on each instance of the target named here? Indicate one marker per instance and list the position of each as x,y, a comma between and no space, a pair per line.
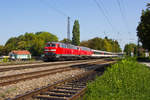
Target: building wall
23,56
15,56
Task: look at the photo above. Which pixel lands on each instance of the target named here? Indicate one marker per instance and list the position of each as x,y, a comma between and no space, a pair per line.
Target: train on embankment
65,51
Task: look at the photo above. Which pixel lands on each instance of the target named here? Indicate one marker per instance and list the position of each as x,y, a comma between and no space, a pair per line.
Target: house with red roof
20,54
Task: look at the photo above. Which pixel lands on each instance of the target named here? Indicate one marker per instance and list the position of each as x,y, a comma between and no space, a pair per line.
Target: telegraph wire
104,14
55,9
123,15
123,7
61,13
105,10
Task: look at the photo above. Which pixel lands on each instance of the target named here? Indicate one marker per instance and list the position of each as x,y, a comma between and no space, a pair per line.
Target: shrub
126,80
5,59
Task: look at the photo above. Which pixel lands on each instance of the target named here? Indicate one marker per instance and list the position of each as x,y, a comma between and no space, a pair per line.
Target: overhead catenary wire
61,13
46,3
123,15
105,13
52,7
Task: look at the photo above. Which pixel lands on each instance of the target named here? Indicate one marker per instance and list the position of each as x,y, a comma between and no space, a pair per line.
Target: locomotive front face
50,51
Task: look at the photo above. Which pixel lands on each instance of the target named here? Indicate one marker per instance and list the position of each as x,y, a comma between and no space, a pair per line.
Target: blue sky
20,16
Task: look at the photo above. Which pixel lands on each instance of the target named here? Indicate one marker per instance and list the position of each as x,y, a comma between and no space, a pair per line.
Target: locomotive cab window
51,45
48,45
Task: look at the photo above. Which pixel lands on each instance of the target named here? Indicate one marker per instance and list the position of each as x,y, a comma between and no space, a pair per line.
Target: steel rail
36,66
34,93
30,94
35,76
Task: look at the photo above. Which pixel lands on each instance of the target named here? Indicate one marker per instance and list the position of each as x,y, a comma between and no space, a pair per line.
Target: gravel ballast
24,86
13,72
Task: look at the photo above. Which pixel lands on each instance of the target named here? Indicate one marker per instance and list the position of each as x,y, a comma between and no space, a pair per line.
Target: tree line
132,49
35,42
105,44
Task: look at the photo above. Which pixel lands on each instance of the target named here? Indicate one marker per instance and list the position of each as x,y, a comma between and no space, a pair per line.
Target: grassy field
126,80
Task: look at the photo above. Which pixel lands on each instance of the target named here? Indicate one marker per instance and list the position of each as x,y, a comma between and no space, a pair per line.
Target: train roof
100,51
83,48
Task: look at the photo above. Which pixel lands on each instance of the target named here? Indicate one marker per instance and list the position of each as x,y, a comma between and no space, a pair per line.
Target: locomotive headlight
53,50
46,50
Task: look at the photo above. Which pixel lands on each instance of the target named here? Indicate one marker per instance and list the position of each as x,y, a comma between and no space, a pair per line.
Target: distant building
20,54
132,54
146,53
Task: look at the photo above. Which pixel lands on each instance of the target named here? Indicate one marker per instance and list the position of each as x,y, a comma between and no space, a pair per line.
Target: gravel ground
19,62
28,85
40,63
12,72
24,86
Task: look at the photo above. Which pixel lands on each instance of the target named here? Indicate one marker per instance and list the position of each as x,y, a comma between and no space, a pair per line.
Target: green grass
126,80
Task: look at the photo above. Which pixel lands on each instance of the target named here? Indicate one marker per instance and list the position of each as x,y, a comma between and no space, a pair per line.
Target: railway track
11,79
20,67
20,63
67,89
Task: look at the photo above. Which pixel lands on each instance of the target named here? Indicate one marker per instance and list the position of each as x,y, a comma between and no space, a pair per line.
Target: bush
5,59
126,80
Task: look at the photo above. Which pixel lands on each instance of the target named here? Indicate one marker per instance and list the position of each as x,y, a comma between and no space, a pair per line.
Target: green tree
29,41
11,44
1,50
76,33
96,43
84,43
105,44
130,48
47,37
37,47
65,41
143,29
115,46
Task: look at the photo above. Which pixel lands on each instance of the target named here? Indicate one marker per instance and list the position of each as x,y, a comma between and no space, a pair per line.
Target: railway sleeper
63,91
75,86
46,97
65,88
69,87
56,94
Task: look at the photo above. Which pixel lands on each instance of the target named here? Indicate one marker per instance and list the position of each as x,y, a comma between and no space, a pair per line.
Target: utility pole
68,29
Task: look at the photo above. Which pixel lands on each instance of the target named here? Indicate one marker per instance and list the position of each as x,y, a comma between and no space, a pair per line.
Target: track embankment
17,84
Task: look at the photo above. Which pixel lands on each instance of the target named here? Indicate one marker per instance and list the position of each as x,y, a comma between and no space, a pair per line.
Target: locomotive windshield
51,45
